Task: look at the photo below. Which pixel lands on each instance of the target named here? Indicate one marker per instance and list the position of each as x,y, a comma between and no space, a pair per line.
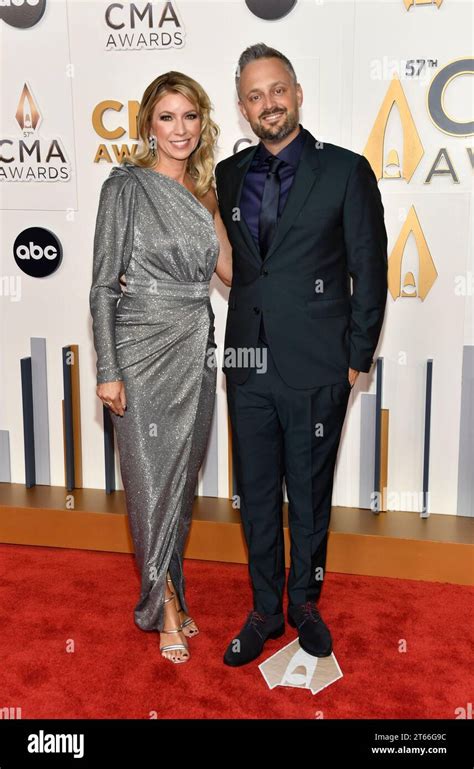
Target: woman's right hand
112,395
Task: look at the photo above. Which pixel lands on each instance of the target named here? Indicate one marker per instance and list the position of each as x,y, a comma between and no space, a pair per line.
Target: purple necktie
269,209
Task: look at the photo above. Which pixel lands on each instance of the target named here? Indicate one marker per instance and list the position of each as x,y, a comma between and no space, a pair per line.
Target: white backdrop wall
86,78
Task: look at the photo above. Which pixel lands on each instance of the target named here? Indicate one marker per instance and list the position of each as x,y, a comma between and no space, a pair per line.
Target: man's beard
276,132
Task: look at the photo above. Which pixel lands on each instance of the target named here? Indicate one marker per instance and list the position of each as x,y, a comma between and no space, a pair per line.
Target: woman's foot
173,644
190,629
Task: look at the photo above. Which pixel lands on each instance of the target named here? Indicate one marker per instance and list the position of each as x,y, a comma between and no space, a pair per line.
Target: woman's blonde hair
200,165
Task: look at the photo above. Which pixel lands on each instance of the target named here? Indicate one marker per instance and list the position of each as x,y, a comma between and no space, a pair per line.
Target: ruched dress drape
158,337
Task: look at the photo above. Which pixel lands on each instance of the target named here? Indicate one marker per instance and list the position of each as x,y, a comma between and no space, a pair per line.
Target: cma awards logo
411,271
22,13
31,157
143,26
108,121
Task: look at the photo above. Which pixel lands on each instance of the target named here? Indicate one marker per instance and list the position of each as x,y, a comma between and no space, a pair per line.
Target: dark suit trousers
278,431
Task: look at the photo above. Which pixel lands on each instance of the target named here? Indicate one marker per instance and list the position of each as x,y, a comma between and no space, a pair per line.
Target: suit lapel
305,177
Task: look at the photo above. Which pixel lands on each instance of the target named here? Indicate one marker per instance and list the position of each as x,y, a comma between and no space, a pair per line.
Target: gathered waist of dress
167,288
168,302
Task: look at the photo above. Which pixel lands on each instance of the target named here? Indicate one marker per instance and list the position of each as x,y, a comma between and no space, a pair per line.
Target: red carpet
51,597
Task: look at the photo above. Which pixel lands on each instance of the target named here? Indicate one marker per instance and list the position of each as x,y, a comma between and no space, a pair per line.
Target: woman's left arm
224,260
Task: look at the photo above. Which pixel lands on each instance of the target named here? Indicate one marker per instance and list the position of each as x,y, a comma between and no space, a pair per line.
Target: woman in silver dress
158,225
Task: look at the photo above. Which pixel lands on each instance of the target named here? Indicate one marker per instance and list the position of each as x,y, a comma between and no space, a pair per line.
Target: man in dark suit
303,219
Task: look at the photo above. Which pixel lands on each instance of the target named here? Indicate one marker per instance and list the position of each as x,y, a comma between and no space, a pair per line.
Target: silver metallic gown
158,337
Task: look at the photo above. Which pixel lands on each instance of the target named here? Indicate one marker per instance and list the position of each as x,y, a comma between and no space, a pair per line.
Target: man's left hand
353,374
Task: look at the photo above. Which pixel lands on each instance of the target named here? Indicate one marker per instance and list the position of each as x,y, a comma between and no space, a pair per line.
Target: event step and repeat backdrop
388,79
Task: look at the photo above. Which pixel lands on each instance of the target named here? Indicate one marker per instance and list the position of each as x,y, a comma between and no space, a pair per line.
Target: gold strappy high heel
191,632
177,646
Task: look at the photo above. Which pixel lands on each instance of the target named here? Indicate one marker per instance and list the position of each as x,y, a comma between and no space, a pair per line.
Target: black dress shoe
248,645
314,635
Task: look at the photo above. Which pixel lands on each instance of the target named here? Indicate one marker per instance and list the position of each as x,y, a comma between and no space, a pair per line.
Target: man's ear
299,94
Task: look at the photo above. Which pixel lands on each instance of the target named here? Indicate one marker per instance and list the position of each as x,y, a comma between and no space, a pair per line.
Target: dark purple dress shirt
254,182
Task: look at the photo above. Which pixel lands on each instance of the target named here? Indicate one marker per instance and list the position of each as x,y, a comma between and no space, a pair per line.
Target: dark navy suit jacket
331,229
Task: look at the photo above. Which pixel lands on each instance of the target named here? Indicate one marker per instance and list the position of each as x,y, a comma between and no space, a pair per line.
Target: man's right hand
112,395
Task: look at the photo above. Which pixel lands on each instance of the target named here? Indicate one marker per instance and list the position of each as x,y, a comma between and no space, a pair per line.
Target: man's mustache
275,112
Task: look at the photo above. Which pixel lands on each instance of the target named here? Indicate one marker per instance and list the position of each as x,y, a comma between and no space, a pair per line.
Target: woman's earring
152,143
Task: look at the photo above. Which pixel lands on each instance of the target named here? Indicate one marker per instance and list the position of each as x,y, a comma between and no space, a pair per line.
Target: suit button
256,310
264,273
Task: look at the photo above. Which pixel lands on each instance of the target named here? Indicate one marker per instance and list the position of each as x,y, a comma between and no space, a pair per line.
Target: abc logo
270,10
22,13
37,252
